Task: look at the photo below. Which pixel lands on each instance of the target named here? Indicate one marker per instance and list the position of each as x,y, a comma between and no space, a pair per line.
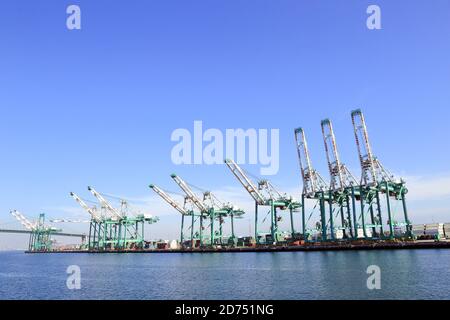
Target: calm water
420,274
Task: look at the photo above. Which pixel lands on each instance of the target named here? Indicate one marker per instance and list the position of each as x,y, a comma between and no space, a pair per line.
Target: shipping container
361,233
339,235
435,229
418,230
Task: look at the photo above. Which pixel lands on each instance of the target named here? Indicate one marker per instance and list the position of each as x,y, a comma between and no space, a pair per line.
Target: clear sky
97,106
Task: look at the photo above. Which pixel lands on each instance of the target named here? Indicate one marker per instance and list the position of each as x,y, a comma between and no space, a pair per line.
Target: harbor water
405,274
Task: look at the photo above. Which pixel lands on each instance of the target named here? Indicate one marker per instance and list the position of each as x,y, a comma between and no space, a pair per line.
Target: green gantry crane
184,214
267,196
40,233
114,229
209,207
221,211
213,209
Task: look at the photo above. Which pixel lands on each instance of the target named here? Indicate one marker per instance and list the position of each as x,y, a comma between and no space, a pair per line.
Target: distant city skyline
98,106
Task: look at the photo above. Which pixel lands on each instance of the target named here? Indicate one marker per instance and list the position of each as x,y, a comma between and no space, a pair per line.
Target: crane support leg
192,232
363,219
405,212
201,231
212,227
304,218
341,209
273,222
355,221
232,230
349,217
388,202
256,223
291,213
380,218
221,232
323,217
330,202
372,217
182,231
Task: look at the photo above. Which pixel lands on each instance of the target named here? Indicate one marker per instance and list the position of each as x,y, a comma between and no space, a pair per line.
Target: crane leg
380,218
388,201
304,218
182,228
362,212
256,223
330,202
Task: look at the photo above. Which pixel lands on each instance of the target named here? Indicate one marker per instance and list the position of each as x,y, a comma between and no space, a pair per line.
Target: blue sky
97,106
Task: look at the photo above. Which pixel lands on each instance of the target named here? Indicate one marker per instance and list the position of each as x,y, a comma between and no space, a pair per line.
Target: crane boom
23,221
245,181
169,200
312,181
114,211
191,195
90,210
68,221
372,170
216,203
366,158
339,174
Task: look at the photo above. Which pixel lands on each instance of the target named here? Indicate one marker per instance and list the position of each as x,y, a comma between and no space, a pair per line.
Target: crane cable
312,212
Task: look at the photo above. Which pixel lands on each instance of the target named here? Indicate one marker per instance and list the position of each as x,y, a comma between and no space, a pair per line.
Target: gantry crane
203,210
220,210
314,187
342,183
97,234
119,230
181,209
376,180
266,195
112,224
40,233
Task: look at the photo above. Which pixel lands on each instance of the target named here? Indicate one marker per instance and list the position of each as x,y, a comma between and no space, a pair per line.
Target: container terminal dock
346,213
369,245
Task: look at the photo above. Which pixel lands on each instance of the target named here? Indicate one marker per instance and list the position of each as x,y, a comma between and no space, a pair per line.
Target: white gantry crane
341,177
313,182
373,171
342,182
314,186
376,179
